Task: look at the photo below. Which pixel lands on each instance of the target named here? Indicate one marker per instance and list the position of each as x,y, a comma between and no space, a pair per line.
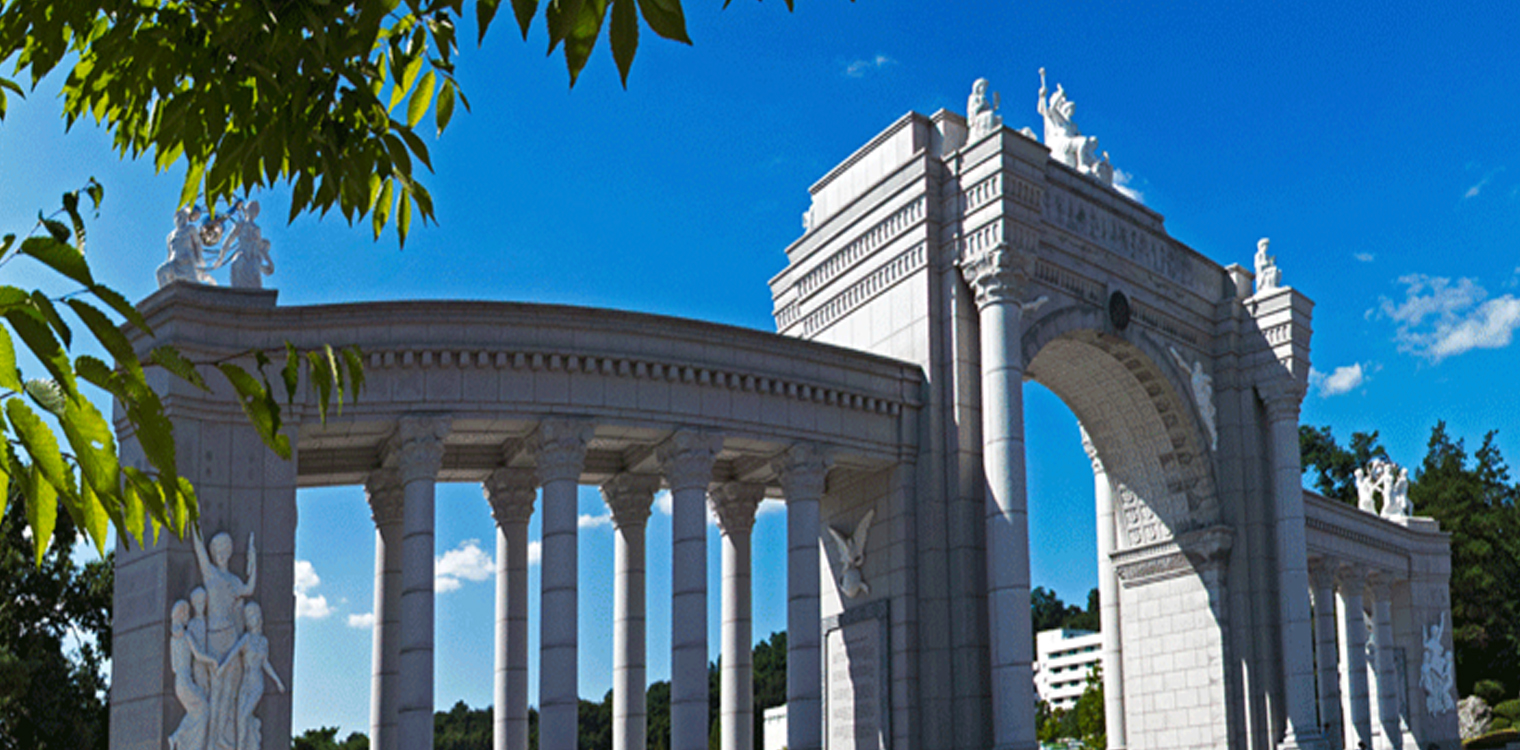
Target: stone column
560,455
802,472
419,456
383,489
1381,587
998,276
1108,600
1327,677
511,493
687,460
629,497
735,505
1350,580
1295,634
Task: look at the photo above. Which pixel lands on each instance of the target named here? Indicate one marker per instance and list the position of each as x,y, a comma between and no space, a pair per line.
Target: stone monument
1065,140
852,555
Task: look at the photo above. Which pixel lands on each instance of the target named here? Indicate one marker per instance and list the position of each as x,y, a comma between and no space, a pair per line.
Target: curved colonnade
530,399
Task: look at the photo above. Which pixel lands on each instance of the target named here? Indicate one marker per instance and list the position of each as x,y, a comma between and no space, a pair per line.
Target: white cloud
769,506
1477,187
1363,257
1123,181
665,504
859,68
1439,318
535,552
308,606
1339,381
467,562
585,521
362,622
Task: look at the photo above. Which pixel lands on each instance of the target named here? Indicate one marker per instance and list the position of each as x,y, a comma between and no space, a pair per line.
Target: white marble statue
219,654
981,114
1203,394
852,553
1268,275
247,250
1436,670
1366,485
1396,496
186,260
1065,139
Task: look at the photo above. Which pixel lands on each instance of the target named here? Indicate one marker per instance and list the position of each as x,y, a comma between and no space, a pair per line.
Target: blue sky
1373,142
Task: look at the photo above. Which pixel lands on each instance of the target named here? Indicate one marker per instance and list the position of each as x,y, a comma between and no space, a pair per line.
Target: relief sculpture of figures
186,261
1203,394
1366,485
1268,275
1436,672
1065,141
852,553
981,114
220,655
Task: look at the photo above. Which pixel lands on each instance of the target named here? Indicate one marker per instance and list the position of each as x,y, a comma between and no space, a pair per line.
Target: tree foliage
50,696
1474,499
327,97
1083,725
1048,612
83,472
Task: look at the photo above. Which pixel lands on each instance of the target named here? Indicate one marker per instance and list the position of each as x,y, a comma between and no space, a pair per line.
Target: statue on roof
1065,140
981,114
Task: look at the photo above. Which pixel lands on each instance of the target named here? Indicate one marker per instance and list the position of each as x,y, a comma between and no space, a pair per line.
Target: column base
1303,741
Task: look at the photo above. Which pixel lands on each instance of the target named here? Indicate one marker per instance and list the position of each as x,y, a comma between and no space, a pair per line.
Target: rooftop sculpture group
1065,140
245,249
1388,478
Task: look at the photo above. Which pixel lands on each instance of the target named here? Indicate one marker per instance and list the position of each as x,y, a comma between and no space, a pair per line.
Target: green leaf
422,98
58,230
106,333
10,377
132,512
624,36
665,18
35,334
355,361
580,35
445,111
47,394
404,215
96,191
94,446
149,496
321,377
41,510
59,256
382,212
193,175
261,410
71,206
524,10
40,444
44,306
170,359
291,372
95,517
115,301
559,17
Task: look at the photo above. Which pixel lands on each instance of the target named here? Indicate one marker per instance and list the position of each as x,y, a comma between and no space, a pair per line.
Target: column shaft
511,493
1327,656
384,490
736,708
1293,581
1009,628
1354,656
629,497
561,454
1387,691
420,455
687,462
1108,600
802,475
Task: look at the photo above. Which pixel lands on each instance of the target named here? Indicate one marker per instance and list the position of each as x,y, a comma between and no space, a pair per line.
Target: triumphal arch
942,265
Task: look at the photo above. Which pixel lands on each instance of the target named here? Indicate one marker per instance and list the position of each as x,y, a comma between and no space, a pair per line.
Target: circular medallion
1118,310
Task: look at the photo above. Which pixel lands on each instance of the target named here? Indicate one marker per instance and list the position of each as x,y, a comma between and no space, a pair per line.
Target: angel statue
852,553
246,249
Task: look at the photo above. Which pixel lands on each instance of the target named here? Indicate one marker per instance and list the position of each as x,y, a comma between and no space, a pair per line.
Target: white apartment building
1062,660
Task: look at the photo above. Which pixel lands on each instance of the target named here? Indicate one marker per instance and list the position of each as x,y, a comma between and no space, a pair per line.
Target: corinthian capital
734,504
802,470
511,493
383,489
629,496
998,274
561,449
687,458
418,446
